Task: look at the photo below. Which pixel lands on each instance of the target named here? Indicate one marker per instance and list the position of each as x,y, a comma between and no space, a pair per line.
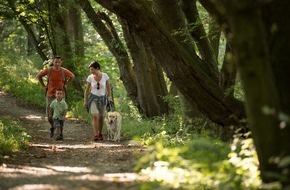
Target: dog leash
110,104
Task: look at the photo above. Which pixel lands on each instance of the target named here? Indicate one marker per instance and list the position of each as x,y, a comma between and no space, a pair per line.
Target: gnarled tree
260,39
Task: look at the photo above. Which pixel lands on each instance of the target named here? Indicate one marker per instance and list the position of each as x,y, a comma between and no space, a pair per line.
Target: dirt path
75,163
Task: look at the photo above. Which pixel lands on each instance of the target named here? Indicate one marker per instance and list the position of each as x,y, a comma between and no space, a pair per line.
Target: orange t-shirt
55,80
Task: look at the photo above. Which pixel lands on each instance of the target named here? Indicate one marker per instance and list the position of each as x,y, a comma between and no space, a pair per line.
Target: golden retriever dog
113,121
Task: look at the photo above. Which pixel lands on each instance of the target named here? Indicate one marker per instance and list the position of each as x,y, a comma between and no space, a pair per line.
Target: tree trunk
228,73
214,35
276,14
29,31
76,28
62,38
62,31
206,51
149,77
141,87
173,16
261,54
30,45
111,39
183,69
33,39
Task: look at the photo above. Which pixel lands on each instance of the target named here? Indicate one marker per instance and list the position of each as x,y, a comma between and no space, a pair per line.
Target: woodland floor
74,163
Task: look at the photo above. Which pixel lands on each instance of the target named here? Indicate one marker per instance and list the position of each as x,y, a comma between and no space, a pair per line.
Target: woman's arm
109,92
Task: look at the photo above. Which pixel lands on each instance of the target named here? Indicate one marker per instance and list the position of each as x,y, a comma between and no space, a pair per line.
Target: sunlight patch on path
14,170
76,146
53,147
110,177
63,146
37,187
107,145
33,117
70,169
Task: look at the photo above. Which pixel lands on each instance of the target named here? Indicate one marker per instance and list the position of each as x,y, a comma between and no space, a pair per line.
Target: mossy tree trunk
261,53
151,84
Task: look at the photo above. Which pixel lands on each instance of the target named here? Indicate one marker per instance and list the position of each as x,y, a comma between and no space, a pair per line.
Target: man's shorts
58,123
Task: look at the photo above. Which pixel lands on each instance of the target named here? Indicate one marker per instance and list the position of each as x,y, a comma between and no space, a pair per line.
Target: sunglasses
98,85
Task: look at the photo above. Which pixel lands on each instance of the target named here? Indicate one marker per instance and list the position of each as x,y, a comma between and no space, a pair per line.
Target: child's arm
50,113
64,110
64,114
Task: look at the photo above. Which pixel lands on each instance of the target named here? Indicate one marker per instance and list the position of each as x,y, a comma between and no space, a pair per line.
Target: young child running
57,112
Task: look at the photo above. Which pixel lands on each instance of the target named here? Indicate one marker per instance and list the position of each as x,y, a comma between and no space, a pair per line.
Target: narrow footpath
74,163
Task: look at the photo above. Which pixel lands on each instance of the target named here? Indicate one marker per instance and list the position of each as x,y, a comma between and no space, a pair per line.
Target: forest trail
74,163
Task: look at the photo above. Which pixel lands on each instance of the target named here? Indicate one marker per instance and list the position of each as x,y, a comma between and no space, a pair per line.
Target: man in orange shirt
57,78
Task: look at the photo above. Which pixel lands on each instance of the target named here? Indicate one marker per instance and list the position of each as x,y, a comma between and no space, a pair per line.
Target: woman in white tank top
95,96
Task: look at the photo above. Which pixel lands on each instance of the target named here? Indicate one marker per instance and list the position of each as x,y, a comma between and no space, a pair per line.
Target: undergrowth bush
12,137
18,77
198,162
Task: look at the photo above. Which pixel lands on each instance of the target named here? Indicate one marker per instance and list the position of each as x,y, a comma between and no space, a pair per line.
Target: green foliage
199,162
19,78
12,137
78,111
239,92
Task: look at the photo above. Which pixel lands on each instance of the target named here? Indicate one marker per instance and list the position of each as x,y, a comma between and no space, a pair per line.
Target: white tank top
102,89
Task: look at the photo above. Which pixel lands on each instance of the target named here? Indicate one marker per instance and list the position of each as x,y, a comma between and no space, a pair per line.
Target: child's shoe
51,132
59,138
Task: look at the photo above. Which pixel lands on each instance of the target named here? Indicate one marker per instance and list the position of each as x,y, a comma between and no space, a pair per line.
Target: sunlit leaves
285,162
201,163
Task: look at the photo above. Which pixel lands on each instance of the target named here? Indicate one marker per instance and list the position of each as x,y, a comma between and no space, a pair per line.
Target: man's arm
70,77
40,79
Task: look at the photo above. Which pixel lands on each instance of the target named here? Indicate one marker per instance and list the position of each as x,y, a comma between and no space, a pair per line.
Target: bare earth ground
74,163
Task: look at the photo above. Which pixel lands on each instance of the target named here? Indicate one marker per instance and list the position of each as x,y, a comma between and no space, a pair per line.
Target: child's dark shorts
58,123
